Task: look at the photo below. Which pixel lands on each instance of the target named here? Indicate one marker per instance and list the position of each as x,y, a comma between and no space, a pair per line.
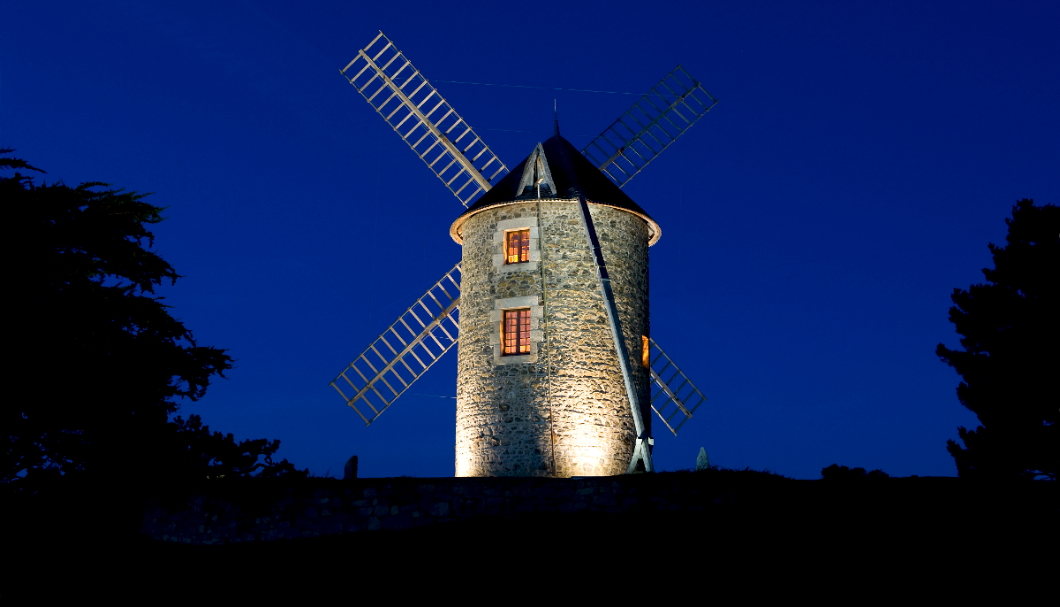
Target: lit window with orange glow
645,352
517,246
515,332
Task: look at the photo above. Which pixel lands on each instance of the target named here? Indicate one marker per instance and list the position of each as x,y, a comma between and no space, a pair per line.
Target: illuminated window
517,246
515,332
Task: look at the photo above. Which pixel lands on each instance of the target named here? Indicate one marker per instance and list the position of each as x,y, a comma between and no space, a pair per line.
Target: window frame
523,255
523,340
496,319
500,243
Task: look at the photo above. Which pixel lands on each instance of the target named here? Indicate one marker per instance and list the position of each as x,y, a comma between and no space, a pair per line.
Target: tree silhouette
101,361
199,453
835,472
1009,332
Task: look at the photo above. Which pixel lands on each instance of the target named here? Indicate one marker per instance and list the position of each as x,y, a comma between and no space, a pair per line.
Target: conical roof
556,163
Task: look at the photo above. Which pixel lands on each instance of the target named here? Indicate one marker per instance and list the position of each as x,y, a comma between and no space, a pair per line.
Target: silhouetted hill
721,524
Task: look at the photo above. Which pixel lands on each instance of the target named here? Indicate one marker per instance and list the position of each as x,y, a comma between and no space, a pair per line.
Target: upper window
517,246
515,332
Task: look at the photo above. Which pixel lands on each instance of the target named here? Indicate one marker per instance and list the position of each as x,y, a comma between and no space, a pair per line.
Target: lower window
515,332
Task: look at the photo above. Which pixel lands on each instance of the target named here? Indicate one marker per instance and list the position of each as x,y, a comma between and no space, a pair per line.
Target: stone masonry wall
336,507
269,509
563,411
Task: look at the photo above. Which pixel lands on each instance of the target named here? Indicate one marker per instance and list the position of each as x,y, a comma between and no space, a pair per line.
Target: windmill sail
424,120
674,397
649,126
404,352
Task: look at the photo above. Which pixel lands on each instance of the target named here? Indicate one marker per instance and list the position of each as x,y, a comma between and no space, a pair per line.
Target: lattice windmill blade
670,386
648,127
424,120
404,352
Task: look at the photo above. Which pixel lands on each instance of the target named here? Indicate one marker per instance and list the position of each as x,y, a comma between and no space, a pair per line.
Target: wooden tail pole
642,448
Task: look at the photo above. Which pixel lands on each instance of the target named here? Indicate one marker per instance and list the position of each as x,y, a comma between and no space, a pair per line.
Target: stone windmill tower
557,374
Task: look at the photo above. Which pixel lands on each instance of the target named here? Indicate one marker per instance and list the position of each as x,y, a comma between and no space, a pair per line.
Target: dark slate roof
574,176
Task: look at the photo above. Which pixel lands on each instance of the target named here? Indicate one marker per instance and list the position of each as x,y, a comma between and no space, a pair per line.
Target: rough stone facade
561,410
329,506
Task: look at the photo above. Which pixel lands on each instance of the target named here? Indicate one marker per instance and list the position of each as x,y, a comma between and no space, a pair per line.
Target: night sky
815,222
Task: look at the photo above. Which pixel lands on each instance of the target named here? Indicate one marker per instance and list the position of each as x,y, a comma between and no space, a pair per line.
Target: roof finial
555,119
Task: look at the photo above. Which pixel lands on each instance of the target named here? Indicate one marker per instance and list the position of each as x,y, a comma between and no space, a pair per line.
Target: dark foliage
103,362
835,472
1010,339
719,472
199,453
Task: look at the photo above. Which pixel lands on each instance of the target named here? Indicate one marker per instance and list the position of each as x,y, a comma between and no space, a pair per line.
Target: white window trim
511,225
536,334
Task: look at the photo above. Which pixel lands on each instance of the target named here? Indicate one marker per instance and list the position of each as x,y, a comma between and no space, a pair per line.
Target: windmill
557,372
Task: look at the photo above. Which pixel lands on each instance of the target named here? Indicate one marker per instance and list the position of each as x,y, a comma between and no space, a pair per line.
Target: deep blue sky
861,157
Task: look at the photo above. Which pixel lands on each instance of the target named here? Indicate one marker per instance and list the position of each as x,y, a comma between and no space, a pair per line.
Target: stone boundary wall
335,506
269,509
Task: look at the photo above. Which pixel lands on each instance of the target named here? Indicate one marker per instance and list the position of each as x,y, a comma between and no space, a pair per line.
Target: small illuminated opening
517,246
515,332
645,351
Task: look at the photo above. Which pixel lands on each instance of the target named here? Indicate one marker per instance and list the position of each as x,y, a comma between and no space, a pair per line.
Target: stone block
572,507
399,521
606,499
